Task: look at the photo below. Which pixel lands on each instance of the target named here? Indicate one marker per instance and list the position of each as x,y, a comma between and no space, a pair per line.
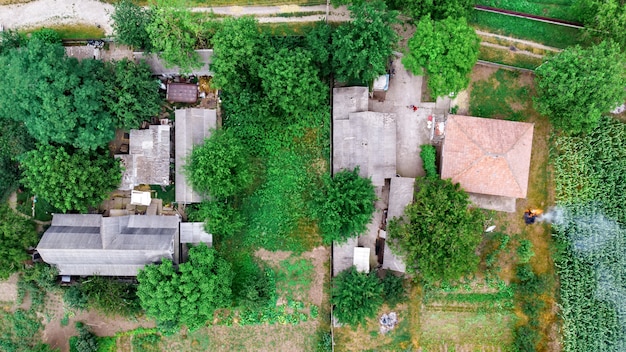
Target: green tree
362,47
446,50
70,181
428,154
14,141
318,42
356,296
191,295
578,85
221,218
59,99
439,232
237,52
344,206
175,33
16,235
129,24
604,18
133,95
290,80
220,167
9,40
437,9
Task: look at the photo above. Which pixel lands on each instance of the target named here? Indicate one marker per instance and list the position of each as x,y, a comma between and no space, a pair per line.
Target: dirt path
54,12
518,52
520,41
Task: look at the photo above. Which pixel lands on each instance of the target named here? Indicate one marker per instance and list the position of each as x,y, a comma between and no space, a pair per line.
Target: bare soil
8,290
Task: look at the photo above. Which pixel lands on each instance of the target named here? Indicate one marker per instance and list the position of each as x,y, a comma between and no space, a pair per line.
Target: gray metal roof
368,140
347,100
193,232
159,67
401,192
90,244
343,255
148,161
193,126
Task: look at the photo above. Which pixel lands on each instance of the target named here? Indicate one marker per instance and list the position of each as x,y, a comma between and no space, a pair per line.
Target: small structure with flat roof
140,198
489,158
401,190
361,259
193,126
148,160
182,93
89,244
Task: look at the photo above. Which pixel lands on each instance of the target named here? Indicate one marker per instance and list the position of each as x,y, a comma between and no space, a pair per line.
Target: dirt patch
462,101
58,336
8,289
319,256
273,258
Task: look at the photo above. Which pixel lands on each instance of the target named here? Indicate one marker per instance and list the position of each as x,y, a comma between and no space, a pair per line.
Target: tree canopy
70,180
238,47
362,47
129,24
447,50
14,141
345,205
65,101
605,18
190,295
220,167
438,233
578,85
292,82
16,235
356,296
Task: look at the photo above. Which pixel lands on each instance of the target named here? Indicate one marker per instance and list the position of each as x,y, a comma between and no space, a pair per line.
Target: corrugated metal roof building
148,161
193,126
89,244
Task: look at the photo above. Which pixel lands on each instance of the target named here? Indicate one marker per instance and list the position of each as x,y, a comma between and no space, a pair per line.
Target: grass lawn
521,28
75,31
501,95
559,9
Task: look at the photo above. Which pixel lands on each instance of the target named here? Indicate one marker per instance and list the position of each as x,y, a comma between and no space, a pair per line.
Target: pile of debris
388,322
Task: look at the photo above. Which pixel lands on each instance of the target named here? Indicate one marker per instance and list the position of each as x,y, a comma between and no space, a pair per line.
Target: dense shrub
86,342
428,154
525,251
356,296
74,298
393,289
221,218
110,296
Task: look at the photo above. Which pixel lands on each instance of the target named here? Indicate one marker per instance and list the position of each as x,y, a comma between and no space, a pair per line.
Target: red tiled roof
487,156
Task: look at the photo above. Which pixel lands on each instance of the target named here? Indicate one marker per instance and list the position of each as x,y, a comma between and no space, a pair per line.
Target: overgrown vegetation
16,235
559,9
428,154
356,296
109,296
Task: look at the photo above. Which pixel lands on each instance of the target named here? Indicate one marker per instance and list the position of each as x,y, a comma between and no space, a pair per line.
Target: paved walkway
53,12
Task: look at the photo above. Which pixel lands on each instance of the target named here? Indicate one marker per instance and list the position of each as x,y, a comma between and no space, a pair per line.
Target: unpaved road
50,12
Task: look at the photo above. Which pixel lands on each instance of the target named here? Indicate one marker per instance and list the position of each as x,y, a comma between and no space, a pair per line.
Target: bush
110,296
74,298
525,251
525,339
86,342
393,289
325,342
344,206
356,296
429,157
253,283
221,218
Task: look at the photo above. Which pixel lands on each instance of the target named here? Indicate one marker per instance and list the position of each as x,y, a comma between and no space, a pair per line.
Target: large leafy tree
578,85
437,9
439,232
356,296
221,218
237,52
344,206
14,141
132,95
69,180
291,81
318,42
57,98
190,295
220,167
362,47
446,50
16,235
129,24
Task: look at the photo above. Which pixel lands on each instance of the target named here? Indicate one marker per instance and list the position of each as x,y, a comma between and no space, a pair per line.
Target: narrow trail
517,52
520,41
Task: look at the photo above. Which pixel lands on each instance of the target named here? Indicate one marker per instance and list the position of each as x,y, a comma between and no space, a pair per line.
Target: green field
75,31
559,9
521,28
